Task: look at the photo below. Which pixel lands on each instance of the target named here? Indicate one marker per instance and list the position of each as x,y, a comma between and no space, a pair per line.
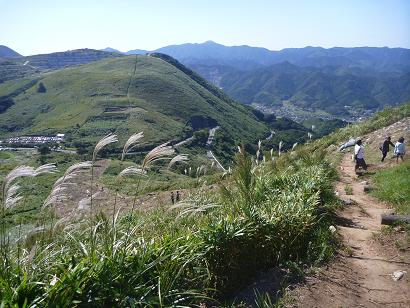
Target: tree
44,150
41,88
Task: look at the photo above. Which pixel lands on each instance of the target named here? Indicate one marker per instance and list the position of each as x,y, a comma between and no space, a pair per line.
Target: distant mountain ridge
299,83
14,68
347,83
375,58
7,52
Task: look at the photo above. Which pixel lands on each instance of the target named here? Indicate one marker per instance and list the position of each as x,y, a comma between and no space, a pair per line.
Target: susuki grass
199,251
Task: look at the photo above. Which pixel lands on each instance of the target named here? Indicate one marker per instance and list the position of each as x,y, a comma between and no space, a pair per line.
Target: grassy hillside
123,95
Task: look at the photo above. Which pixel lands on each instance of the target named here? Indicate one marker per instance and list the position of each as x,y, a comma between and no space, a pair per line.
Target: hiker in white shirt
399,149
359,156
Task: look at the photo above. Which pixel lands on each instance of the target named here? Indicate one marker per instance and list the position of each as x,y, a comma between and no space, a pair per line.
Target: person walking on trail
399,149
385,147
178,196
172,197
359,156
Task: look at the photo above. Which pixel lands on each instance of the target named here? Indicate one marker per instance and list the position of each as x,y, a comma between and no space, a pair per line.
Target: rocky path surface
362,275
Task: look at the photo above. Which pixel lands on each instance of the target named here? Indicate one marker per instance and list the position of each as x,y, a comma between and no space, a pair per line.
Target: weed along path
361,276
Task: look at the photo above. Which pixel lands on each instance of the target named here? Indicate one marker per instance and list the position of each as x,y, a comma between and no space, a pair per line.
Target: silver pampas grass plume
58,193
294,145
179,158
9,191
110,138
132,171
21,171
45,169
131,143
78,167
162,151
280,147
12,198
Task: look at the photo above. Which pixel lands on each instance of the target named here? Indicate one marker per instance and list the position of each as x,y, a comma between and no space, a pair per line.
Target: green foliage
44,150
269,216
393,186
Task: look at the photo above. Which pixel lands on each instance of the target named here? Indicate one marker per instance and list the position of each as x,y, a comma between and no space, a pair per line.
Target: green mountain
124,95
284,88
304,82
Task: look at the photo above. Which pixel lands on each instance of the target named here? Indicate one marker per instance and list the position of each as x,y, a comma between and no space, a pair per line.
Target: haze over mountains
298,83
295,82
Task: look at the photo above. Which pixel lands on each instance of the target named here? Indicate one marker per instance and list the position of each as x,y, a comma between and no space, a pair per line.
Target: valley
95,145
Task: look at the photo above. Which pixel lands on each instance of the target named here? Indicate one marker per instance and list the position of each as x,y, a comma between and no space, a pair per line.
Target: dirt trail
361,275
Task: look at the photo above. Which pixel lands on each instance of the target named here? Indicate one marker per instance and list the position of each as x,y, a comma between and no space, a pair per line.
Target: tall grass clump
266,214
271,214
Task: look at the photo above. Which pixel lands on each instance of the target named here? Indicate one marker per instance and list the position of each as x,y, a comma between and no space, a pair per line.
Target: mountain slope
314,89
7,52
123,95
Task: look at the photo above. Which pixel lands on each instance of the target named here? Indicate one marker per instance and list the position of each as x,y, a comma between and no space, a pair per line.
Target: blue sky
43,26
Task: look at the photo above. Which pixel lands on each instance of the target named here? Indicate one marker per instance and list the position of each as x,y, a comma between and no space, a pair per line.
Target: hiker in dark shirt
172,197
385,147
178,196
